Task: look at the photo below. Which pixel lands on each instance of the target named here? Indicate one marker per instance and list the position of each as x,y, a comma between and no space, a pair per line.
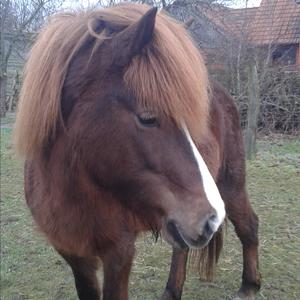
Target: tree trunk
3,80
253,111
13,99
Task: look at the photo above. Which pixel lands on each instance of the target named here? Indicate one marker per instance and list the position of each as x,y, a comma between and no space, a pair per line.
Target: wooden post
298,56
253,111
3,75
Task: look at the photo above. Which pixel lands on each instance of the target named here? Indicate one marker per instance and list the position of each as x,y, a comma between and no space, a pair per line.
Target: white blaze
210,187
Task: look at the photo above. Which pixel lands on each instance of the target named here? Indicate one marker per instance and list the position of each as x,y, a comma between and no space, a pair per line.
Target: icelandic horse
122,132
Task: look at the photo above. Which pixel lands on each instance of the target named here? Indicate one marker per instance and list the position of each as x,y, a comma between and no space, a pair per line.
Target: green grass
30,269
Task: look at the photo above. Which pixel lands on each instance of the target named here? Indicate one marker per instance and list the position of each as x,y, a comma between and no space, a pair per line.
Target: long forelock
168,76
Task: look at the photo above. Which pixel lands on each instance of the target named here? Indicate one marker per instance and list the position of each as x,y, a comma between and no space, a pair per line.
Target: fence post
253,111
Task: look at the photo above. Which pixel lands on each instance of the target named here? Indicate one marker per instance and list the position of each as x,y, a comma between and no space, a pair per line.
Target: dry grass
30,269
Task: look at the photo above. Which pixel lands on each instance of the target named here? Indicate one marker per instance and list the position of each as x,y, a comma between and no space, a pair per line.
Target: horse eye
147,119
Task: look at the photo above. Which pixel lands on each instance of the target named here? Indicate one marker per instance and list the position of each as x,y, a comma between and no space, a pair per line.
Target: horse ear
131,41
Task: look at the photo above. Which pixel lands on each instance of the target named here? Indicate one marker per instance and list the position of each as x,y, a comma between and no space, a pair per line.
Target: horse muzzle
174,234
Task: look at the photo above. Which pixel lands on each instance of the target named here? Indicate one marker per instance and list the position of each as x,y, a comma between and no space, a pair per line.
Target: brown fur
223,151
169,71
96,175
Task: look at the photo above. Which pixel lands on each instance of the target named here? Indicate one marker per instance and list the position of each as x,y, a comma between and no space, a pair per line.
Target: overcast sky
242,3
78,3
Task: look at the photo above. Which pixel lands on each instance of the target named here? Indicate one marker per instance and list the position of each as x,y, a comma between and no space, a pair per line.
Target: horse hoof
167,295
243,296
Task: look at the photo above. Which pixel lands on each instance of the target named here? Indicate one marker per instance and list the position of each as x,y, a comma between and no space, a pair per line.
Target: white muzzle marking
210,187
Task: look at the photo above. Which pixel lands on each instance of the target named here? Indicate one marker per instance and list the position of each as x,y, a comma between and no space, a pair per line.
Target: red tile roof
239,20
276,21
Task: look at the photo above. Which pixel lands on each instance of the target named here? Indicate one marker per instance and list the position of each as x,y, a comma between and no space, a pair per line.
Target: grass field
30,269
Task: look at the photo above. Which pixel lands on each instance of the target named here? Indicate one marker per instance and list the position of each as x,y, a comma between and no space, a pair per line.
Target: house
274,26
277,22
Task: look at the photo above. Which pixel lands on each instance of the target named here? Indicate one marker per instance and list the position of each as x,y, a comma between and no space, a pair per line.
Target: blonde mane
169,76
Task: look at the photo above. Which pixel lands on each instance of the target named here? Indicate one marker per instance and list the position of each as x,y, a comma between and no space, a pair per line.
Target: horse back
223,150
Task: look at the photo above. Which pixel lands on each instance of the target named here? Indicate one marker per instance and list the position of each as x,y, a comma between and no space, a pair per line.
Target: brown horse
115,109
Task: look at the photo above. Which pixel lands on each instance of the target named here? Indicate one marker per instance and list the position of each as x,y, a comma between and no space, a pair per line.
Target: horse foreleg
173,290
117,265
245,222
84,271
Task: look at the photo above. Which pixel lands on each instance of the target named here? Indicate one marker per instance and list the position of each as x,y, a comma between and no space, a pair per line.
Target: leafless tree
18,17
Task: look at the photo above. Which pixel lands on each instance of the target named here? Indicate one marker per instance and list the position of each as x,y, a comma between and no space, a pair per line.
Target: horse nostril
213,218
207,231
210,226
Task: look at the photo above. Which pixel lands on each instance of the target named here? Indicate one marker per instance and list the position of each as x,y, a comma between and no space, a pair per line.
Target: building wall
285,55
